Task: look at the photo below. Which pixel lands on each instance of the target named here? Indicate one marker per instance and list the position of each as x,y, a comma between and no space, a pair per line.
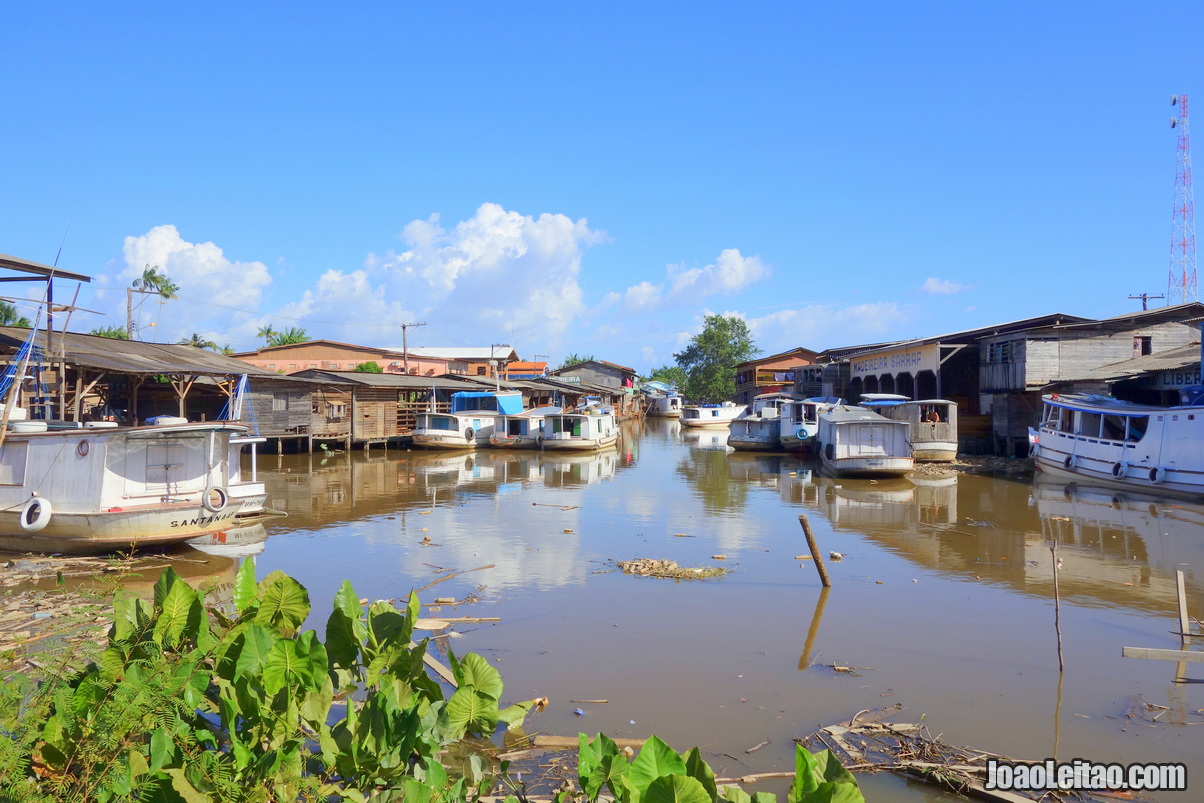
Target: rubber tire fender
469,434
207,502
35,514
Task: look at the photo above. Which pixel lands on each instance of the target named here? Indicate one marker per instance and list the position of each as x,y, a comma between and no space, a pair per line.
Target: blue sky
594,178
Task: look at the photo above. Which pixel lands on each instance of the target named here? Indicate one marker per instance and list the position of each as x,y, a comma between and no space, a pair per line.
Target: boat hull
934,452
580,444
431,440
514,441
744,443
869,466
120,530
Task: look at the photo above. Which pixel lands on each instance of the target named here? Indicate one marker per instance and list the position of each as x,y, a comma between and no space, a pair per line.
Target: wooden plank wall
326,401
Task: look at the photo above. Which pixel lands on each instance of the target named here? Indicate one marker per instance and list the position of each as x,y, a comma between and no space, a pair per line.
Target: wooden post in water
1053,549
819,561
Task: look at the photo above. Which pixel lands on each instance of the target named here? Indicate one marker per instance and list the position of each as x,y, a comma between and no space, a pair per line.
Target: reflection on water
945,589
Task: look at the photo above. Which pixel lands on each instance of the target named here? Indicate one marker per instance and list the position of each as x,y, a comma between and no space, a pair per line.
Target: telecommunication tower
1181,287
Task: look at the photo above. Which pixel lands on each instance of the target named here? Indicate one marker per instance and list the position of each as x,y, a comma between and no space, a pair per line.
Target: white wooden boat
853,441
100,487
759,428
470,423
592,427
711,415
521,430
932,423
1104,441
665,405
800,423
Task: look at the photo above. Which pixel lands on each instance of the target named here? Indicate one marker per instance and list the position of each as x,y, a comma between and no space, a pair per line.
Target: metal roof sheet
38,269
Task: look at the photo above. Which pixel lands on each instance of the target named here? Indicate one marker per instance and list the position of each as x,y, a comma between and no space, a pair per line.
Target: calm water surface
944,599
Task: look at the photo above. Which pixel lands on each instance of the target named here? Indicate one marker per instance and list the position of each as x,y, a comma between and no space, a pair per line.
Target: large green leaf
346,600
473,670
513,715
812,770
471,711
284,666
830,792
180,614
341,641
700,771
656,759
734,794
256,643
164,584
606,773
284,604
245,587
676,789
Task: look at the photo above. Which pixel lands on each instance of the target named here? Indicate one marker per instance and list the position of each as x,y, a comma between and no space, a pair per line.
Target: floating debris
649,567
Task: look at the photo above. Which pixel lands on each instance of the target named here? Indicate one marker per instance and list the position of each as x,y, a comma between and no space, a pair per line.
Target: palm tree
293,334
267,333
199,342
10,317
153,280
115,332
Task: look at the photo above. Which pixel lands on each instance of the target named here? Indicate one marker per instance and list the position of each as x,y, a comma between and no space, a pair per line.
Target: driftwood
910,750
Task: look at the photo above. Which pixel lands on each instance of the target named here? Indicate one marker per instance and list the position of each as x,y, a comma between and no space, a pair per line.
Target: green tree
724,342
370,367
293,334
10,317
669,374
199,342
572,359
154,280
115,332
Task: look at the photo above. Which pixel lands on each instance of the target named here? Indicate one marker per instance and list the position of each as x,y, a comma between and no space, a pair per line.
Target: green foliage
724,342
670,375
115,332
573,358
196,704
199,342
370,367
153,280
10,317
659,775
293,334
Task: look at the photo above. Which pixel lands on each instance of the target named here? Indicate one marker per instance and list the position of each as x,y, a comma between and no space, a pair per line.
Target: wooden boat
665,405
853,441
759,428
470,422
711,415
97,487
932,423
800,422
521,430
1112,443
591,427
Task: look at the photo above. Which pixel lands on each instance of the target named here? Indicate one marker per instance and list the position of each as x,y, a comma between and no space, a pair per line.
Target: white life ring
35,514
1157,475
468,434
1070,463
222,499
801,434
1120,470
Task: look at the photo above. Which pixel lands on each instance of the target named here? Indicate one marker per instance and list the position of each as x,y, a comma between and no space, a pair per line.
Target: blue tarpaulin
505,403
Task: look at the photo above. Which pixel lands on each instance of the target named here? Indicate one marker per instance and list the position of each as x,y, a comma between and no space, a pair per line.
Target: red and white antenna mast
1182,285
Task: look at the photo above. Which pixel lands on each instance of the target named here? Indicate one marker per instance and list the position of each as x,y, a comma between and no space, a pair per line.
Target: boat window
1114,427
442,422
1137,427
1053,417
13,455
1089,424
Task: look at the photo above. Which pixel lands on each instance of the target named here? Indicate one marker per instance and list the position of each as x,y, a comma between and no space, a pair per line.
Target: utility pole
1145,300
129,308
405,346
493,362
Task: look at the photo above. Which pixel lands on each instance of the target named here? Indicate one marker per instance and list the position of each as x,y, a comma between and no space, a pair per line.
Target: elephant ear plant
660,775
198,703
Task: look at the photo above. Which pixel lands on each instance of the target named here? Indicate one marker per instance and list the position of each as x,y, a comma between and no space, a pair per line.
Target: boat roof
1079,400
848,415
536,412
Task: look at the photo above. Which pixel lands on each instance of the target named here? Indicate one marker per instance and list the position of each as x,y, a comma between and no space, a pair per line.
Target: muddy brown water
943,600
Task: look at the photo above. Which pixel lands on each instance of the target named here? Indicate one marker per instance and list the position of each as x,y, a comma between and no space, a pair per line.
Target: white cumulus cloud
730,273
941,286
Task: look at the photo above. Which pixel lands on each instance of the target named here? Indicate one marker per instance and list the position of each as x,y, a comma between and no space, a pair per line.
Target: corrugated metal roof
1169,360
407,381
130,356
473,353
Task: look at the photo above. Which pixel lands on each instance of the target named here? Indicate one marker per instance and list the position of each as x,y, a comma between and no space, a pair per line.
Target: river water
943,601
